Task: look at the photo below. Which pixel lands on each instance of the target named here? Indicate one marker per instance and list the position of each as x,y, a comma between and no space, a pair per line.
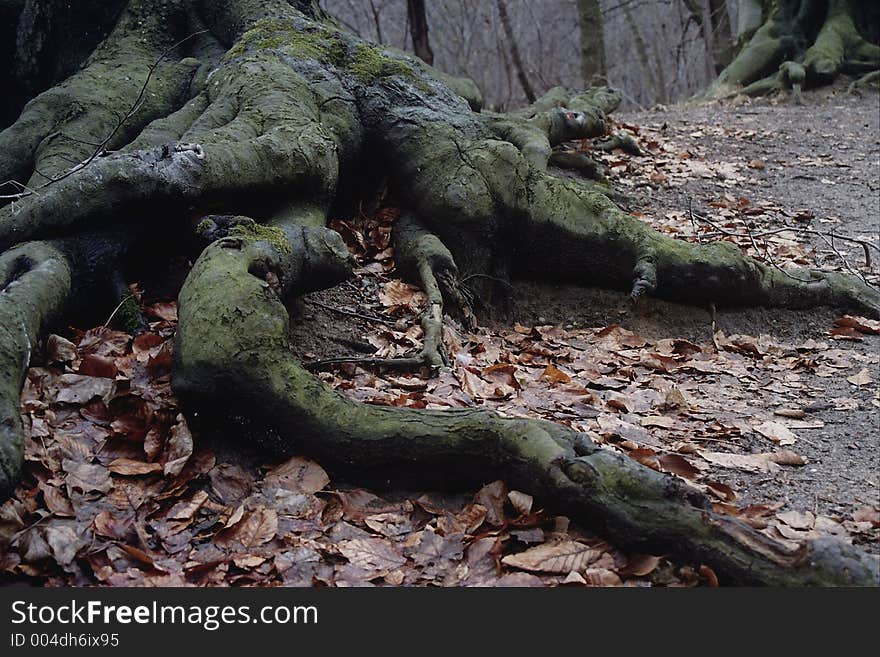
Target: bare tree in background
514,52
593,68
418,29
469,38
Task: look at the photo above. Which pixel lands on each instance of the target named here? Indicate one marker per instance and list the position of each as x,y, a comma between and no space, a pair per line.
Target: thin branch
100,149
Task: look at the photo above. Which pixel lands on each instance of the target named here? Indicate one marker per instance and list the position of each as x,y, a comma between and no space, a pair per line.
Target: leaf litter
118,492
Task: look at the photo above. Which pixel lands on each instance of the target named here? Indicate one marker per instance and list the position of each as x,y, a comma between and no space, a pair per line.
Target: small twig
116,310
349,313
100,148
843,259
766,256
866,246
491,278
693,221
714,326
414,361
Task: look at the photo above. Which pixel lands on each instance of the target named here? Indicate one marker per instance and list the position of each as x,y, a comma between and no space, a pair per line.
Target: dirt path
821,158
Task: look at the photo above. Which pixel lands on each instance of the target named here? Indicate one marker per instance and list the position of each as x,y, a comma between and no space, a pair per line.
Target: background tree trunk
593,68
418,29
512,45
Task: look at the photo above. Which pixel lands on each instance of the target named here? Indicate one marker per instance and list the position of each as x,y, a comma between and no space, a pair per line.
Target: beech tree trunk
238,125
594,70
418,29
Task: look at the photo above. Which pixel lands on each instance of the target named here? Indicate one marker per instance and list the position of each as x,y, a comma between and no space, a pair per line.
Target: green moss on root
252,232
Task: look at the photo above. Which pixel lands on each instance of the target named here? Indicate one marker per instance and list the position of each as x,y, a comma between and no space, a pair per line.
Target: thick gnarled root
231,352
35,282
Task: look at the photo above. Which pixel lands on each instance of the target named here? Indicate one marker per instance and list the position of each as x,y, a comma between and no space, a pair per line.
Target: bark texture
256,126
802,43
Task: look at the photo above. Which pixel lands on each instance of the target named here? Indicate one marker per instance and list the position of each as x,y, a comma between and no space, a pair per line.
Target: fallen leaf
867,514
777,433
298,474
491,497
562,557
709,575
373,554
131,467
863,378
59,350
601,577
521,502
797,519
95,365
78,389
721,491
861,324
662,421
255,528
640,565
554,375
165,310
180,447
397,294
86,477
678,465
786,457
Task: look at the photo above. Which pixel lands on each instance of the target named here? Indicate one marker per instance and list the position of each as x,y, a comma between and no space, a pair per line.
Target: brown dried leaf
491,497
861,324
601,577
640,565
86,477
255,528
863,378
186,509
678,465
797,519
397,294
554,375
78,389
867,514
521,502
372,554
56,501
786,457
560,557
130,467
59,350
722,491
748,462
230,482
100,366
106,524
180,447
298,474
164,310
776,432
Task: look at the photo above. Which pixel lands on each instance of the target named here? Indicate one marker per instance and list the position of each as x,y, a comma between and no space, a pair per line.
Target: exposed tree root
803,43
231,347
293,106
35,282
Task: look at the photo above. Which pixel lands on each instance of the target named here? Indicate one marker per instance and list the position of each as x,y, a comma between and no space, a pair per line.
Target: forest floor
773,413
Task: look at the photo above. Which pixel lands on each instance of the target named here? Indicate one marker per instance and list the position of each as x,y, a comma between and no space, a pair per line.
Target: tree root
231,352
35,283
814,42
